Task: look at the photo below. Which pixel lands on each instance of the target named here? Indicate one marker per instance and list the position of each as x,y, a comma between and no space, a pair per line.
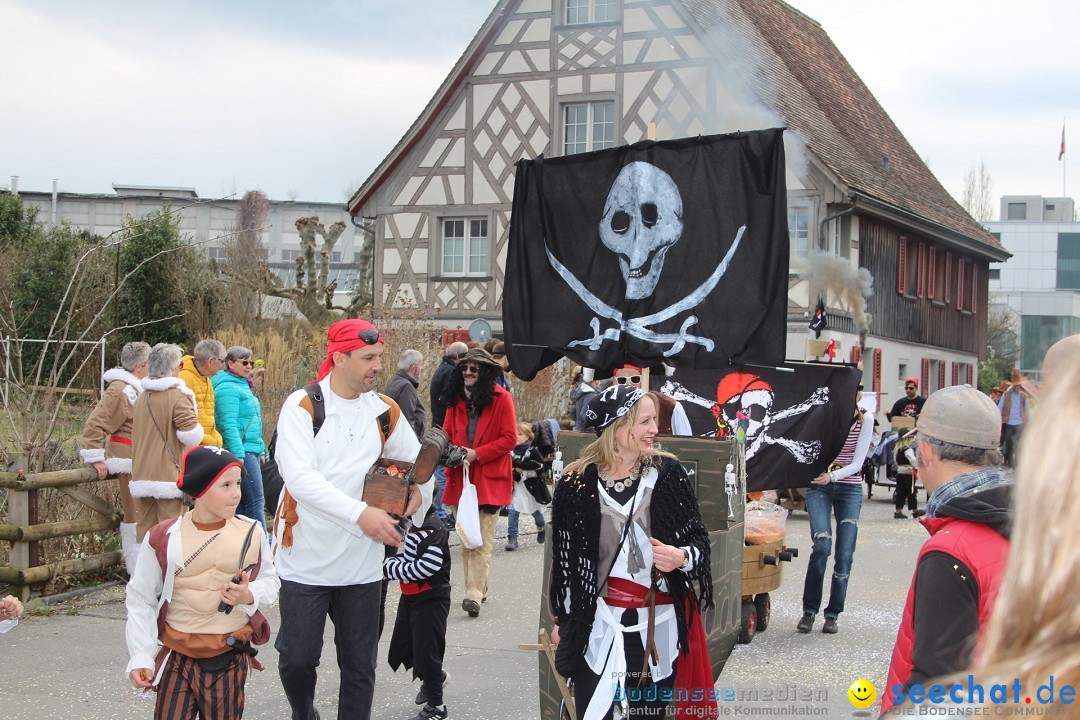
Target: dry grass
292,353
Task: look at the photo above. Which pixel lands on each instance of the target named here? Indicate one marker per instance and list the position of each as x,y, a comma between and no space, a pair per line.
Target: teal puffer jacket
237,414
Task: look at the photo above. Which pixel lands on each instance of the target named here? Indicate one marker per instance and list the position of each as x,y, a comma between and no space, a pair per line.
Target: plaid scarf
965,484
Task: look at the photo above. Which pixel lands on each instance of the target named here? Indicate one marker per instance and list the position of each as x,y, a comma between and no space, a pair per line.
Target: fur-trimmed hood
133,385
168,383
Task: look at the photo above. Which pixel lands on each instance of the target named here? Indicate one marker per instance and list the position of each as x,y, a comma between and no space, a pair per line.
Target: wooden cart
762,573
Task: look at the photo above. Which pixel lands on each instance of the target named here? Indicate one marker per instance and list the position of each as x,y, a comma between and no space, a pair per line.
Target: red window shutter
925,376
877,370
974,287
856,354
920,290
931,275
971,374
948,278
941,374
901,266
960,270
956,373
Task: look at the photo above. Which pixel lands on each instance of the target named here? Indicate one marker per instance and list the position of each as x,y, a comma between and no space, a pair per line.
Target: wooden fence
24,532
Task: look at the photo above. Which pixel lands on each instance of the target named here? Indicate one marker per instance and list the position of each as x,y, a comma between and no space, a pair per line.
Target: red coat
496,436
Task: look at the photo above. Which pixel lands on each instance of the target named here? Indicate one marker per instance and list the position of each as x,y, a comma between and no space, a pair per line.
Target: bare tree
978,198
244,258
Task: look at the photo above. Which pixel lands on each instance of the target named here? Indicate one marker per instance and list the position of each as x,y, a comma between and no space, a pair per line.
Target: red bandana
345,336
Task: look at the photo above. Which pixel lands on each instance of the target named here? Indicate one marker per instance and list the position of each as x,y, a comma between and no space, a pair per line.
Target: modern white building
207,222
1040,284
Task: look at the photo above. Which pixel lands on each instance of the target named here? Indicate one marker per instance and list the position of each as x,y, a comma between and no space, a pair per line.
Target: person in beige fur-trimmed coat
106,438
165,424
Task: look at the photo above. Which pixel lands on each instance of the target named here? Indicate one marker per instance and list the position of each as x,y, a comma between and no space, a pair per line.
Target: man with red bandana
330,559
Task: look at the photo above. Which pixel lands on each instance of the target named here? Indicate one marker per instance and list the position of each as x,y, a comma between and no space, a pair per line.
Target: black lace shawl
675,519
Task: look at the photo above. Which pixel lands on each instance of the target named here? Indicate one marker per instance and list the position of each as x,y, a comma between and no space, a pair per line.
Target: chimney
55,185
14,184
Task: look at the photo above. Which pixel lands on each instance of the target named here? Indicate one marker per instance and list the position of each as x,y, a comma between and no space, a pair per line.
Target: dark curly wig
483,391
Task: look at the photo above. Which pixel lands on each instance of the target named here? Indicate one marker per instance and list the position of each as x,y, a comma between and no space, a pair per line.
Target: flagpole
1064,160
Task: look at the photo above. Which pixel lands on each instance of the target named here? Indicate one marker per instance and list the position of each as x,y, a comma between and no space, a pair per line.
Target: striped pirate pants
187,691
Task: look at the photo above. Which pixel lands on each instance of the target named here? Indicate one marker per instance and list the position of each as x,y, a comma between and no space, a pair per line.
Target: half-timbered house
566,76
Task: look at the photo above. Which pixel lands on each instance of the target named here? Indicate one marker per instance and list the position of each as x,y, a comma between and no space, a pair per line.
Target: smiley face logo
862,693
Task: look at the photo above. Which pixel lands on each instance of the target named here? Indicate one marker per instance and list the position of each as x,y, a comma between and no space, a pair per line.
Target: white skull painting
643,217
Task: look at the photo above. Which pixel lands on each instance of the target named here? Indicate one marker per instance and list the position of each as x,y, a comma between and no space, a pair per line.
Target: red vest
983,551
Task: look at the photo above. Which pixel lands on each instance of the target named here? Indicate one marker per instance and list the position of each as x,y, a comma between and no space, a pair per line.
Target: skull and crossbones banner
797,417
673,252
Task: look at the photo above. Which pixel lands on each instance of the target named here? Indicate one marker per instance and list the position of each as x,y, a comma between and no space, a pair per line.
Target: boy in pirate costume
193,604
419,639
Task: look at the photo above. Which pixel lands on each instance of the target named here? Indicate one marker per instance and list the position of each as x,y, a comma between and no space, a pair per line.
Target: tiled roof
821,97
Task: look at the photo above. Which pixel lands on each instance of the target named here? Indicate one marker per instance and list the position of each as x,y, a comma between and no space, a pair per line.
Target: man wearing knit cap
330,552
968,516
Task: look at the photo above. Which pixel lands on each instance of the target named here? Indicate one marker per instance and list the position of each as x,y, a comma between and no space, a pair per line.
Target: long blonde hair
1034,629
604,451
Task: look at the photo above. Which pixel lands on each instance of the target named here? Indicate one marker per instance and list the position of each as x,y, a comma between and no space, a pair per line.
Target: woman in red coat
480,416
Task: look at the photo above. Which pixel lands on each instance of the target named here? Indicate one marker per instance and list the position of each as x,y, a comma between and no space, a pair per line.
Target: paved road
71,664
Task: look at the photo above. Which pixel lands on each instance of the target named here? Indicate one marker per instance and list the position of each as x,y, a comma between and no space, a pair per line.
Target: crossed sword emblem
639,327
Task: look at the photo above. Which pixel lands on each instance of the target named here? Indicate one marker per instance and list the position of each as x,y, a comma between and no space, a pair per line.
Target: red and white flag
1061,153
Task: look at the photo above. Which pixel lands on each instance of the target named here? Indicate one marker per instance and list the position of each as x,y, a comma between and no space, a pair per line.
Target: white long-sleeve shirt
325,475
150,588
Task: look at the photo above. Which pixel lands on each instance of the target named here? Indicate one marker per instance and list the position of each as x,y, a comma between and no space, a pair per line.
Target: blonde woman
1034,628
627,528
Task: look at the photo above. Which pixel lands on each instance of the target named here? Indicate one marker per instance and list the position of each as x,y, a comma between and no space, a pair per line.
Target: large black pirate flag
797,417
672,252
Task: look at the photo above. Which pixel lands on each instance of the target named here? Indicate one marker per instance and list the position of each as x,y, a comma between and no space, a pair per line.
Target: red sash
694,672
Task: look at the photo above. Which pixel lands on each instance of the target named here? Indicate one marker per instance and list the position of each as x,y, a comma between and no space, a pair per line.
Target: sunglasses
910,387
245,363
632,379
471,369
370,336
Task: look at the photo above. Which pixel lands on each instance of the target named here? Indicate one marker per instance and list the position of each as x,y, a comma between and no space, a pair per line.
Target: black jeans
354,610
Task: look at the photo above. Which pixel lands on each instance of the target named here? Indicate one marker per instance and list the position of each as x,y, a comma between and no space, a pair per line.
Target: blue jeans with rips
823,502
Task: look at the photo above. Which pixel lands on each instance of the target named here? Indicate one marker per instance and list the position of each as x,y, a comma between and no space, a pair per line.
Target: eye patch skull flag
673,252
797,421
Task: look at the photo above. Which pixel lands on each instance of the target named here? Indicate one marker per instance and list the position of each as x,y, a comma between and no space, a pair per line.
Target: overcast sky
304,99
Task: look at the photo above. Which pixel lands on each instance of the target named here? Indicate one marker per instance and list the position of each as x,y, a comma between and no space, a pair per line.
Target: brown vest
667,407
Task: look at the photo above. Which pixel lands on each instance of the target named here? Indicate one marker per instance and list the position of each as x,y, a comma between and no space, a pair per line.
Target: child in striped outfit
419,639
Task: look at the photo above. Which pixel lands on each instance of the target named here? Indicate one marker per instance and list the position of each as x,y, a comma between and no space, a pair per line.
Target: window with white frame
579,12
216,253
289,255
798,226
465,246
588,126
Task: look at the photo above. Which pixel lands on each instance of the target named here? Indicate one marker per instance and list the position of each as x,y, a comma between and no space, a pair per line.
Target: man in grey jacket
402,388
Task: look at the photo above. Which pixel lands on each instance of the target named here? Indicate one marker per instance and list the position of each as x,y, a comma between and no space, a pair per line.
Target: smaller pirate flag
820,321
798,415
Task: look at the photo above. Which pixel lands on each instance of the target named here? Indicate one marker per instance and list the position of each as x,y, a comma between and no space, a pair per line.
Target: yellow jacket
204,399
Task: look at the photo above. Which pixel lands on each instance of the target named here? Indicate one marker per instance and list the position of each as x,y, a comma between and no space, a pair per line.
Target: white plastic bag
468,514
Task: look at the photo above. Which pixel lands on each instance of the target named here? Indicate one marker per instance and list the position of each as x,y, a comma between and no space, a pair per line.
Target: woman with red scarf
630,570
